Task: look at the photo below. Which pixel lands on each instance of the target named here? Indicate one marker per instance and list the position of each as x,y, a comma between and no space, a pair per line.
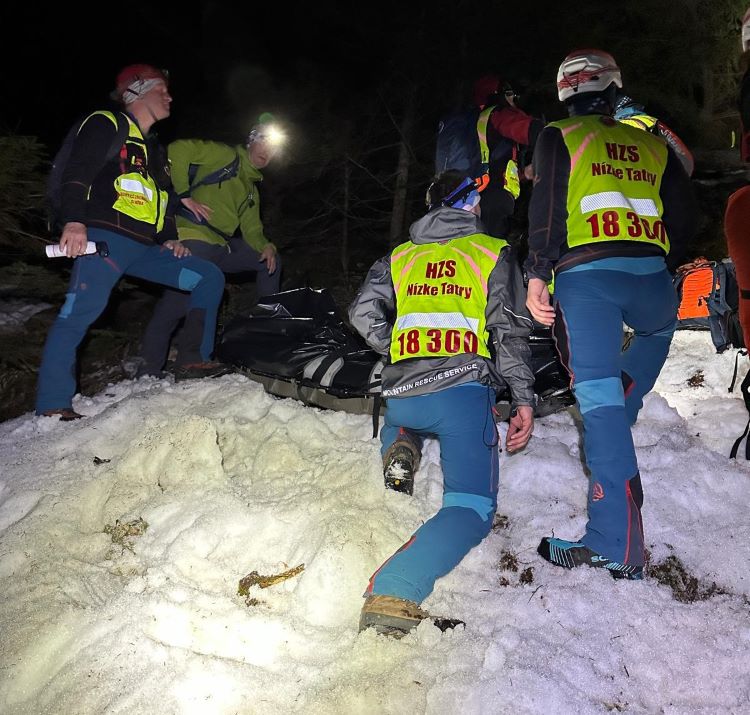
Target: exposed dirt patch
686,588
124,534
500,522
508,561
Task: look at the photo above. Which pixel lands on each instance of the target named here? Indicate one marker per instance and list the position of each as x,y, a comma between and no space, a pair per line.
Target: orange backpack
696,283
708,300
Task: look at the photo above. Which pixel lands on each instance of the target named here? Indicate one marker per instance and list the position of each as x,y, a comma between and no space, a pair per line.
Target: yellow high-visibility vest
137,195
441,296
615,177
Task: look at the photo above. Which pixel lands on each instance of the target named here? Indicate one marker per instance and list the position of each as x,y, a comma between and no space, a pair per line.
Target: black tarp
296,344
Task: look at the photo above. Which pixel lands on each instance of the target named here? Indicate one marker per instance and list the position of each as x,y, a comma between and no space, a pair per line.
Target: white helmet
587,71
746,31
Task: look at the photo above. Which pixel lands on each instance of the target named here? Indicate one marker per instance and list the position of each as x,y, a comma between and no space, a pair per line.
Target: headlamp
269,134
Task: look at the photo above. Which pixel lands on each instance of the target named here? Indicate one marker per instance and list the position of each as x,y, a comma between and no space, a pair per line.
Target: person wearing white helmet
223,224
611,205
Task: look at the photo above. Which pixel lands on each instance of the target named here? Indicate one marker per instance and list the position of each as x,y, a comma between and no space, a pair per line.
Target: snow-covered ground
123,538
14,312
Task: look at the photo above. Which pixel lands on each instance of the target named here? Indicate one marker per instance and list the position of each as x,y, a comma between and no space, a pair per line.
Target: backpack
458,143
708,296
462,145
53,192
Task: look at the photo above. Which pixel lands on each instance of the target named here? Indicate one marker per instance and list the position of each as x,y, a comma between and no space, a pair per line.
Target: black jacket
88,193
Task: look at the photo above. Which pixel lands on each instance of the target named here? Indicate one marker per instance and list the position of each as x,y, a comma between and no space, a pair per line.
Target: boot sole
387,625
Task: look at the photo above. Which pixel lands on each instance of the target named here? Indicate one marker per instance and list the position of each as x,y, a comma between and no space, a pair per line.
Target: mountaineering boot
66,414
197,370
390,616
399,464
190,364
570,554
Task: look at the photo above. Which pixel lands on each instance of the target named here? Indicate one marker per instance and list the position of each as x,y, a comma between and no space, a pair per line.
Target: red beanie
485,87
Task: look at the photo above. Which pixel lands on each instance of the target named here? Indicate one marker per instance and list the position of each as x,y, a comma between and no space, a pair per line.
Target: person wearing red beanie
121,199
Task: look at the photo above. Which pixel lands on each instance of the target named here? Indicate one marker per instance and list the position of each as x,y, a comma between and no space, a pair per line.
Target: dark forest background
359,89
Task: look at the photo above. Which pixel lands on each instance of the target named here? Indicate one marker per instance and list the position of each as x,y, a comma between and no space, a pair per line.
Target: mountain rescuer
447,308
610,203
223,181
122,201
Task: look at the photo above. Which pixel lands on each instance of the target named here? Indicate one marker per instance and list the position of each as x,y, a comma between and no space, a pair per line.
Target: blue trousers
91,283
461,419
592,302
236,257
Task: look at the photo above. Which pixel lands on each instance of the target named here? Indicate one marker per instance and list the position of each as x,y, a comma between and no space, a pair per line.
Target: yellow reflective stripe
575,156
618,200
484,118
641,121
137,187
512,183
492,255
410,248
437,320
404,272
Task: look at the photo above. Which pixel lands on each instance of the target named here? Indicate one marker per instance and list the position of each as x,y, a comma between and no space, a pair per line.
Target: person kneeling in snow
447,307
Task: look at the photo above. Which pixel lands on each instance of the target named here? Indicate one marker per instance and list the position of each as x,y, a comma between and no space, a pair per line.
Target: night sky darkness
217,57
341,77
226,61
229,61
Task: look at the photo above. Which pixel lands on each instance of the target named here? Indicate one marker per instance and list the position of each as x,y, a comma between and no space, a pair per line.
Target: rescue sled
296,344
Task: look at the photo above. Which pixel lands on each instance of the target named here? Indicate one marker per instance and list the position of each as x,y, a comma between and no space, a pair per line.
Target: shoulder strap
123,131
740,353
482,121
746,397
215,177
717,298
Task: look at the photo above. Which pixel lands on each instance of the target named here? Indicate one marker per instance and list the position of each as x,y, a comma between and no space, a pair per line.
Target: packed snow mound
124,537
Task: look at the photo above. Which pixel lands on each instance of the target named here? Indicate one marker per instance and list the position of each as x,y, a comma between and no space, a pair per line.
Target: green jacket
235,202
